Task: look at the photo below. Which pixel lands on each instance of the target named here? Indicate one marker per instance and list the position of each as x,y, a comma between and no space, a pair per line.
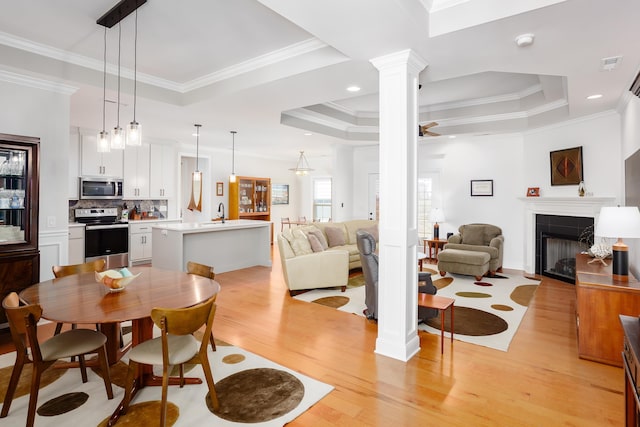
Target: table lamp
619,222
436,216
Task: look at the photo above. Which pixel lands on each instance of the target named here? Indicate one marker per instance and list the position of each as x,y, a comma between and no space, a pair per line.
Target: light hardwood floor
540,381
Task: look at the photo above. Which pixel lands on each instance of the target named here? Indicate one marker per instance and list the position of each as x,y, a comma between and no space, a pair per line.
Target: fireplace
557,243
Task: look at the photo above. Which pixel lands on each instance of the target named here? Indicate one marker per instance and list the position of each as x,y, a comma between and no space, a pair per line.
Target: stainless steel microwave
100,188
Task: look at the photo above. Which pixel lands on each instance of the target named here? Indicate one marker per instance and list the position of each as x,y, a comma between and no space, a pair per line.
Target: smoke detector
608,64
524,39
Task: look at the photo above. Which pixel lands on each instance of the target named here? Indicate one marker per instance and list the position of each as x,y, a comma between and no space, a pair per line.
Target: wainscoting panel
54,250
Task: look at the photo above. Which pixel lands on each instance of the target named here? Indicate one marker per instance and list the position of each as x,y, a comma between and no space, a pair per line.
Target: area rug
487,312
251,389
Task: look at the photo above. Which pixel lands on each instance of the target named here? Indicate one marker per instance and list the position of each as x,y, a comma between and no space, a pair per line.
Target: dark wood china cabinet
19,185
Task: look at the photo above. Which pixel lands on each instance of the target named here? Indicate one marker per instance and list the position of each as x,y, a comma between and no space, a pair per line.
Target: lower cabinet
76,244
140,240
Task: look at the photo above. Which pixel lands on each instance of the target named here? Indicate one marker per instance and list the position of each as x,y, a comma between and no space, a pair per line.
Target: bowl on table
115,280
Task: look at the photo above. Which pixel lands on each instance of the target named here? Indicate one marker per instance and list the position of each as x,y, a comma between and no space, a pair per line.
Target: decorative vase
581,189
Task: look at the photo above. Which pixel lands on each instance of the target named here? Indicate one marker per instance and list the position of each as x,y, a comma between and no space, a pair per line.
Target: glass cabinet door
246,196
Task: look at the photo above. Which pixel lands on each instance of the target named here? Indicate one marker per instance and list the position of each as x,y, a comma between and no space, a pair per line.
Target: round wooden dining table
80,299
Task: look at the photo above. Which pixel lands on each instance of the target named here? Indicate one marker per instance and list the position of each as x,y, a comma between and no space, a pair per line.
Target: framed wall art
566,166
219,189
482,187
280,194
533,192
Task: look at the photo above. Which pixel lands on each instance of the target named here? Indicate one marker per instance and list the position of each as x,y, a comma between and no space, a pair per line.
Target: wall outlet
51,221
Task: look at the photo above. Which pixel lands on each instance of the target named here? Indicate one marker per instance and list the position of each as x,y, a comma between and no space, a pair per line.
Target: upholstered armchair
480,238
369,260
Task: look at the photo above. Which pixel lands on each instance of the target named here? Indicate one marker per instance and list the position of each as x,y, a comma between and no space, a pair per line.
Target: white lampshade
618,222
437,215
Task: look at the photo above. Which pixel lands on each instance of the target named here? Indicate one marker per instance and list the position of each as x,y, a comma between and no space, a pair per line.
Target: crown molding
37,83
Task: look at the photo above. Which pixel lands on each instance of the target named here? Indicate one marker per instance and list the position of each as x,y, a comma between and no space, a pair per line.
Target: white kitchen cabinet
163,167
99,164
136,171
76,244
140,240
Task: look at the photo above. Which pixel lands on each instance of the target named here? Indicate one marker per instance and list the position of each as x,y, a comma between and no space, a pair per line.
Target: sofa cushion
473,235
335,236
316,246
352,226
313,231
373,230
299,242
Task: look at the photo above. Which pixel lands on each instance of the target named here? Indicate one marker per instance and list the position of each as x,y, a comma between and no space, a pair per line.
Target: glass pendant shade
104,145
232,177
302,167
117,139
195,201
134,134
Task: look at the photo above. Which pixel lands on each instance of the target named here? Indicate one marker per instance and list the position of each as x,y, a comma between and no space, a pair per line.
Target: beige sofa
320,255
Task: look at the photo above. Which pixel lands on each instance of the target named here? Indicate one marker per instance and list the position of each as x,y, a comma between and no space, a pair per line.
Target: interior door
374,196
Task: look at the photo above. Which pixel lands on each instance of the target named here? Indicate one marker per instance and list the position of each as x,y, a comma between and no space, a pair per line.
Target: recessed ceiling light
524,39
595,96
452,137
307,134
353,88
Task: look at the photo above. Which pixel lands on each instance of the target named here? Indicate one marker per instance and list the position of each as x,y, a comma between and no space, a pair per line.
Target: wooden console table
600,301
630,354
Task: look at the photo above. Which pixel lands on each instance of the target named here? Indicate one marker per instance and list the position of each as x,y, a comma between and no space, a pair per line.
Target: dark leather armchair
369,260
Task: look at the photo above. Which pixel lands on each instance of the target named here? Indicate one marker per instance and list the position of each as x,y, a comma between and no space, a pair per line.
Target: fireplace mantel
567,206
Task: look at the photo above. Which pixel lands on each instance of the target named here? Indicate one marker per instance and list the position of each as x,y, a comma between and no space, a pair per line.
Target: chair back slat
200,270
87,267
23,320
183,321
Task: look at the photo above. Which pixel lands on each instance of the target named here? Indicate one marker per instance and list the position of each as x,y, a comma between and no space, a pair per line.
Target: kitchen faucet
221,206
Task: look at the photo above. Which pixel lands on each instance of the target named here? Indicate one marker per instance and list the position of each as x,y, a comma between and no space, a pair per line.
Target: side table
434,244
441,304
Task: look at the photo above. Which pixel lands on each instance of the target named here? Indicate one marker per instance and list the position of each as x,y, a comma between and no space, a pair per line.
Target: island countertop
227,246
205,227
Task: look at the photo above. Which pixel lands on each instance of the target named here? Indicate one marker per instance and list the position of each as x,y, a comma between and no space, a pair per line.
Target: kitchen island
226,246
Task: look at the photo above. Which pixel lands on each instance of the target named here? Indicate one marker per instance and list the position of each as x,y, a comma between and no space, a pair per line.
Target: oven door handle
102,227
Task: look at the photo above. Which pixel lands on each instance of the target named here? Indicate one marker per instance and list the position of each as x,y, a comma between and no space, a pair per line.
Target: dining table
81,299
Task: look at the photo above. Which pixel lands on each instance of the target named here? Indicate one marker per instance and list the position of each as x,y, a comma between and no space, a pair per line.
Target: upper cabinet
250,198
99,164
163,171
136,171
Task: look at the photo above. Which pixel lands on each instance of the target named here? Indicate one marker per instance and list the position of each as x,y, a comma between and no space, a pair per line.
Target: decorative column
398,273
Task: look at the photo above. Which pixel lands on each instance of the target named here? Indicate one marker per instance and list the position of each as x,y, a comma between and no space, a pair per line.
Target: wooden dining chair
204,271
23,324
68,270
283,221
175,346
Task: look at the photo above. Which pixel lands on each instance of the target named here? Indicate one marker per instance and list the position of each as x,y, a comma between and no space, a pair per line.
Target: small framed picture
533,192
482,187
219,189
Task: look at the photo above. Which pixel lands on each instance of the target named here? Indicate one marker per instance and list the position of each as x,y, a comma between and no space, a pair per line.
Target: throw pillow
335,236
473,235
373,230
316,246
318,234
300,244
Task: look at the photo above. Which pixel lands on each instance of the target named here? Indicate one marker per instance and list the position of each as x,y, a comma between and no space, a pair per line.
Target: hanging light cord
119,39
135,66
197,145
104,79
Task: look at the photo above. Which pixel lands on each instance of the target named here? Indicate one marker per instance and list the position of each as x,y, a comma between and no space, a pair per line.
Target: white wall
630,129
41,109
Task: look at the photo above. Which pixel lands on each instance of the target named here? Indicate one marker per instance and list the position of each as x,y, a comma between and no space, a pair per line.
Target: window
425,192
322,199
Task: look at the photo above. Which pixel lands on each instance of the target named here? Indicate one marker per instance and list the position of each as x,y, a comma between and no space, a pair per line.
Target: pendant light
195,203
103,136
117,137
302,167
232,177
134,130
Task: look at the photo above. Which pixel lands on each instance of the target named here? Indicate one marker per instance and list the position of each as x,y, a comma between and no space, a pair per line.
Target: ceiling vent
610,63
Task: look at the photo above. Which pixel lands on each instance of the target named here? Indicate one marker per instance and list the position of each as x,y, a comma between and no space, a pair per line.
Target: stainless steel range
105,237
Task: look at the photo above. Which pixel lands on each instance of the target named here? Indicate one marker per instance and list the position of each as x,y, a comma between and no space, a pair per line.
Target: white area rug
498,295
190,399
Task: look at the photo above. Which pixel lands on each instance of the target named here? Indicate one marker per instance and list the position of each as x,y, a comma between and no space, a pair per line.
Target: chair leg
165,386
33,394
128,388
212,341
13,384
209,377
58,329
104,367
83,368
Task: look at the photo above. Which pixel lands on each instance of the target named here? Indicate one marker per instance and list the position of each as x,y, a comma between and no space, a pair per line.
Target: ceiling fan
424,129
